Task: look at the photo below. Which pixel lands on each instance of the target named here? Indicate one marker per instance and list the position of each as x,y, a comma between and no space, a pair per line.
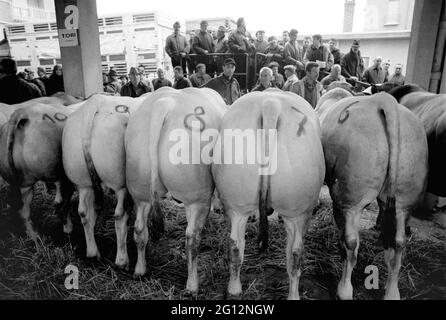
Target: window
393,12
45,62
117,57
23,63
140,18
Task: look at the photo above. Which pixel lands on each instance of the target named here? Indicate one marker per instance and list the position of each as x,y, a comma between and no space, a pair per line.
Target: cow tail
156,217
17,121
86,137
390,113
268,120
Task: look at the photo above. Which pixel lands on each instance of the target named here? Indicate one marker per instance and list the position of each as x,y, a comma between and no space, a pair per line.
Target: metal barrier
229,55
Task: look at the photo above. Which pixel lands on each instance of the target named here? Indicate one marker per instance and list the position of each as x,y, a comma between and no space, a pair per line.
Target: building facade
125,40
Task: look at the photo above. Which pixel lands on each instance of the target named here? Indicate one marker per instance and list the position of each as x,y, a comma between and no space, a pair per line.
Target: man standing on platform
177,47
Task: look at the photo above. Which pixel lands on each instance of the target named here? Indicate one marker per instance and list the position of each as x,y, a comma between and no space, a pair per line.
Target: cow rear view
164,142
281,168
374,149
31,151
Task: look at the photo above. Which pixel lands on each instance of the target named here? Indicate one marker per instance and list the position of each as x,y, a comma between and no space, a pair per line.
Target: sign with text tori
69,36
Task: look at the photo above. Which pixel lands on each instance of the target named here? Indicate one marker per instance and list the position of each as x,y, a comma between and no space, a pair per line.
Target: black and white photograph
222,156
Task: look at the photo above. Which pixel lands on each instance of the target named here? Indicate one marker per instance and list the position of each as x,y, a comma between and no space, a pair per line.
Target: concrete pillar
425,24
81,59
349,15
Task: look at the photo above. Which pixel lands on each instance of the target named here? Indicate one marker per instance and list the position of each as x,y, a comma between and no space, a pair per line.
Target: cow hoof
392,296
122,264
345,292
190,294
68,228
230,296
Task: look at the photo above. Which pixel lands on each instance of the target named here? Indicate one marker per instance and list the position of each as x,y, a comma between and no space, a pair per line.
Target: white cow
30,144
153,168
93,152
374,149
292,190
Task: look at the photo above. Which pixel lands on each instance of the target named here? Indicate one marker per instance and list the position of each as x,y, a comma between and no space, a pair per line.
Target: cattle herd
389,147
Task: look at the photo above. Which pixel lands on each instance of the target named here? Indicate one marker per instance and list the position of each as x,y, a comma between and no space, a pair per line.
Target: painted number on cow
56,117
122,109
302,122
198,111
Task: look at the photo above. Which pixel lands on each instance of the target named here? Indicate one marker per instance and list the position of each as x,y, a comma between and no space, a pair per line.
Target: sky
307,16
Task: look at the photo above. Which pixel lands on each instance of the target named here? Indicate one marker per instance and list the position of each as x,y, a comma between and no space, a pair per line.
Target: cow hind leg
236,251
64,191
196,215
141,236
294,252
394,238
25,212
87,214
121,228
348,223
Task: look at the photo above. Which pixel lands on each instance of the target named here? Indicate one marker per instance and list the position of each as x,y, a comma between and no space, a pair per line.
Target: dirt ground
30,272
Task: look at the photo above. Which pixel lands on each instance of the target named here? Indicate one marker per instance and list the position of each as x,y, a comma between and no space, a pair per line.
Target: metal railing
226,55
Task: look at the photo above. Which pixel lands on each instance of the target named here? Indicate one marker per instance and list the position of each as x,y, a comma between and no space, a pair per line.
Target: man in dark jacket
113,86
13,89
320,54
135,87
55,81
352,64
180,81
203,44
177,47
161,81
239,44
31,78
334,51
225,84
275,52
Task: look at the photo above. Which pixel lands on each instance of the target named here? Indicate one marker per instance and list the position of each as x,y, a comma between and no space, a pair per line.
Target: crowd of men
17,87
306,70
211,59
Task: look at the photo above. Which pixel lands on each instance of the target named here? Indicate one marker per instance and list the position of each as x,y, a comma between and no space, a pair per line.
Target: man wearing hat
352,64
274,52
293,53
135,87
113,86
203,44
291,79
260,42
225,84
200,77
177,47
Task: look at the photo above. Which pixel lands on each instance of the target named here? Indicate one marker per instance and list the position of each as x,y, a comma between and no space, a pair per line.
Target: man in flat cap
135,87
352,64
177,47
260,43
274,52
203,44
113,86
225,84
291,78
239,44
